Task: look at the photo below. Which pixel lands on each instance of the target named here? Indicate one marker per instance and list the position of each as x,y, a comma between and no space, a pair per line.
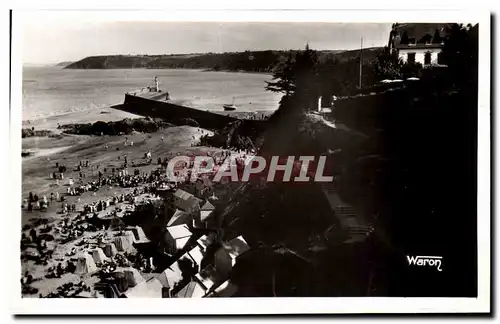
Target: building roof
191,290
205,214
186,200
181,242
207,277
170,276
178,215
181,194
204,241
236,247
419,34
196,254
207,206
195,201
226,289
179,231
146,289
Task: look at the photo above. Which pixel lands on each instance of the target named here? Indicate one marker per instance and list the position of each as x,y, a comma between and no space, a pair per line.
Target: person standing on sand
33,235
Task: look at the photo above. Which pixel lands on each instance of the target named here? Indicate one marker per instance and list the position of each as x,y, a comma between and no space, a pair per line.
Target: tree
285,78
437,37
297,77
460,54
387,65
305,71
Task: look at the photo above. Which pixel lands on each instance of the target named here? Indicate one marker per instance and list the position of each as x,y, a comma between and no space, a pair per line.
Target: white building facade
424,56
418,42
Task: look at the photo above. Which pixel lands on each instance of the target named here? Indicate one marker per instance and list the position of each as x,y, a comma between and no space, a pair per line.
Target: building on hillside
418,42
176,238
185,201
170,277
191,290
225,257
226,289
208,278
180,217
205,241
194,257
204,219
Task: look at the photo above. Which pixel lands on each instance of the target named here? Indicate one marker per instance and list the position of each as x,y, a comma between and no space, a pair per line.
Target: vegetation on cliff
248,61
125,126
414,175
31,132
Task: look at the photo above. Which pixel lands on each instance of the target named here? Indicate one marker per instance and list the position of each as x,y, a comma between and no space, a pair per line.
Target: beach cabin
176,238
225,257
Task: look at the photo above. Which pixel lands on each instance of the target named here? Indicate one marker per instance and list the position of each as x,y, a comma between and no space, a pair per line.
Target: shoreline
105,153
146,68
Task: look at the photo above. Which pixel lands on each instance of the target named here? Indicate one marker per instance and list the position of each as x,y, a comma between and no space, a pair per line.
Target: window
427,58
411,57
440,58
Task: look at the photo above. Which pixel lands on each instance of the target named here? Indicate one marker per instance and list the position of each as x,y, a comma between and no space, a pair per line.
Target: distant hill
248,61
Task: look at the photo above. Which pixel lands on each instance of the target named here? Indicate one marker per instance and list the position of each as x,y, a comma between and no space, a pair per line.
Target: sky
49,37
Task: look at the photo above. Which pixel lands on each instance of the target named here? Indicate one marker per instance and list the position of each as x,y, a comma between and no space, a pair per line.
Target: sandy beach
103,153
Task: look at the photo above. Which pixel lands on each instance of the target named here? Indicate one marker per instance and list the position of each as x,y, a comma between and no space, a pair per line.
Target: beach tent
122,243
139,235
133,276
130,236
99,256
110,250
85,264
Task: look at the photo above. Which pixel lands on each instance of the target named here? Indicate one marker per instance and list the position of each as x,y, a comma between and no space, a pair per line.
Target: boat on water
230,107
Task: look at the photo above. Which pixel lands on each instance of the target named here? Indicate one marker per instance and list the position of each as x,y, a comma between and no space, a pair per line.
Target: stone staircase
351,220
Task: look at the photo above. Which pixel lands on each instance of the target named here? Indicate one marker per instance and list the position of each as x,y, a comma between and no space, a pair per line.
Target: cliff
405,159
248,61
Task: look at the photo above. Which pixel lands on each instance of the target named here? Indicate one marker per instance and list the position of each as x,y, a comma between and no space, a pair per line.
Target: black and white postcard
239,162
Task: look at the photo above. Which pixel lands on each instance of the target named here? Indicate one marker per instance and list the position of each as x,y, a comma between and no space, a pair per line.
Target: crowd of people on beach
69,229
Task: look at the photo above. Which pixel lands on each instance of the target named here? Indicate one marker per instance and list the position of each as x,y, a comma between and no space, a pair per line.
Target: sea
53,91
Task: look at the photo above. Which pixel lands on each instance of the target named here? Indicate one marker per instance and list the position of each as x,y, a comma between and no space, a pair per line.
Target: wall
419,54
177,114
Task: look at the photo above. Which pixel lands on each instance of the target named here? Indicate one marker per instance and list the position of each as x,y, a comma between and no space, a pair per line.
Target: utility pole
361,62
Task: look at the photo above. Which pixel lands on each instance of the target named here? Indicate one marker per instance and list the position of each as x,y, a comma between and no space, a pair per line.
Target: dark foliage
125,126
414,176
248,61
30,132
